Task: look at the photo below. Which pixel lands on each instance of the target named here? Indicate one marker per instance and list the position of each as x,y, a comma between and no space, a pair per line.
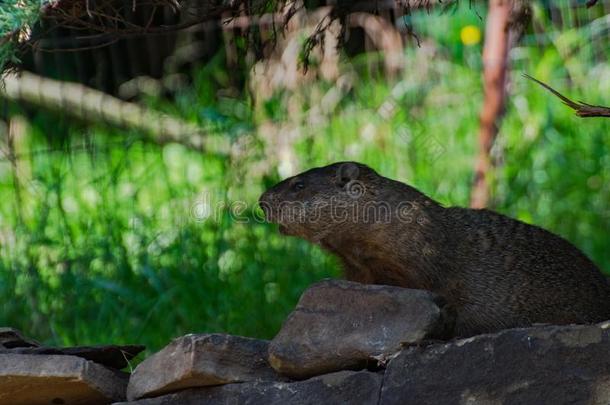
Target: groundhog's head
331,199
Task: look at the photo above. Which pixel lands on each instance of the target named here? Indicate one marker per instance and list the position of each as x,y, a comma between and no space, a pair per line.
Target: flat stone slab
10,338
112,356
13,341
339,325
27,379
344,387
201,360
541,365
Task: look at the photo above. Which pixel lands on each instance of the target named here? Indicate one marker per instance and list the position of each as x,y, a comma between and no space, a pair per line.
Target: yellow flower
470,35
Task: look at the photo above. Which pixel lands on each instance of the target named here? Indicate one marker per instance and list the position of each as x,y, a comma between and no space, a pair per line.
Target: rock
112,356
344,387
12,341
201,360
109,355
540,365
340,325
52,379
10,338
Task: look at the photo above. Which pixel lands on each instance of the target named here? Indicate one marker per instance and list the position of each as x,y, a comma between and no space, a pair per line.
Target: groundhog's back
509,273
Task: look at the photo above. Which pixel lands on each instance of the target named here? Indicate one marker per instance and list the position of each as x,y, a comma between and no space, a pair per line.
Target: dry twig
582,109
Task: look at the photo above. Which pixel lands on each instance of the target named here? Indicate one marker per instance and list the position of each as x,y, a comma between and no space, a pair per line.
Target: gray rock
344,387
109,355
57,379
112,356
340,325
198,361
540,365
10,338
13,341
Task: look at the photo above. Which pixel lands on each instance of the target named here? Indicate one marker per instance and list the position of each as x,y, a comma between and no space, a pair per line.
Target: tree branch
582,109
95,106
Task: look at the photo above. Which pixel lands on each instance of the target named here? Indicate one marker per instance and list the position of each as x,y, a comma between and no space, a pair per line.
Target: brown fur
496,272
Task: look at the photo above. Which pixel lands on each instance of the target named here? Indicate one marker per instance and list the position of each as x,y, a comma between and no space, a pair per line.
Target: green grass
101,241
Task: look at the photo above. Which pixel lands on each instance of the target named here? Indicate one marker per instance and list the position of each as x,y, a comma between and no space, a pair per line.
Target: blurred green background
107,238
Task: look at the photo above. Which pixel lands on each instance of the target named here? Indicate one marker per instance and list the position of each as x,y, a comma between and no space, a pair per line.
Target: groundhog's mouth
284,230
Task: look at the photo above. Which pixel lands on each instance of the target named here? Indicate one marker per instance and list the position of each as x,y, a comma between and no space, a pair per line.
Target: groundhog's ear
346,173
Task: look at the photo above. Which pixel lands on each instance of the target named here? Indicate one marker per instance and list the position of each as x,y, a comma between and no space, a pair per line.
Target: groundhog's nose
266,203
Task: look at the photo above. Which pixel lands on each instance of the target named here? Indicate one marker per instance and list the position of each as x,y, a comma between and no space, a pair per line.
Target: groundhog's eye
299,185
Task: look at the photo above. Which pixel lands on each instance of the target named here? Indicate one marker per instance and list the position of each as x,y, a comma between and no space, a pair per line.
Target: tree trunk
495,66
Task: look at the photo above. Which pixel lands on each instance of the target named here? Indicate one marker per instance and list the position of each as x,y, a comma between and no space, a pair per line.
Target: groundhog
494,272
